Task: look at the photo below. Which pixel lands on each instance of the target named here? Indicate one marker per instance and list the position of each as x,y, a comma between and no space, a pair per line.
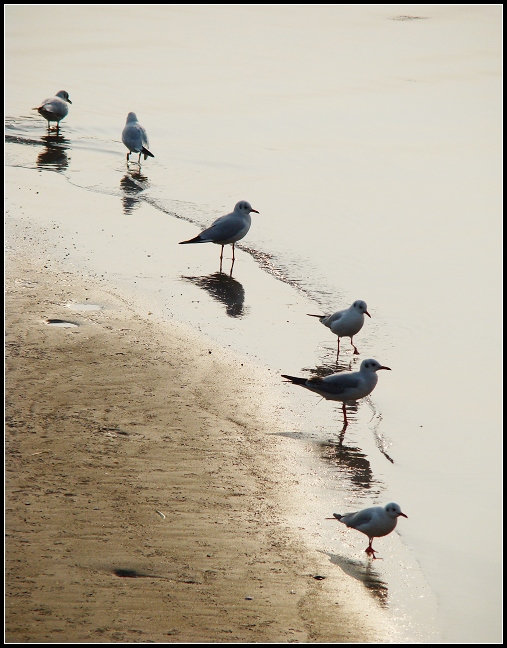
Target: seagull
55,108
344,387
135,138
374,522
227,229
346,323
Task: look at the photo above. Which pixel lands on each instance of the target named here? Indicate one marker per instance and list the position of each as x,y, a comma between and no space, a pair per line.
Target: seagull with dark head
227,229
344,386
374,522
346,323
54,109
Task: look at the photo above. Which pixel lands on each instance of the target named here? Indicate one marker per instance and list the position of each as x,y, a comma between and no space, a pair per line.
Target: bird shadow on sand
224,289
365,573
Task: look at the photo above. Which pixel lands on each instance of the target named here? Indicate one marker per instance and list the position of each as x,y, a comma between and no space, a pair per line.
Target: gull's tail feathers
196,239
295,380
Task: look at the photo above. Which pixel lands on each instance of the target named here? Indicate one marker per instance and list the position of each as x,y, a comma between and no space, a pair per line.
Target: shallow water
368,138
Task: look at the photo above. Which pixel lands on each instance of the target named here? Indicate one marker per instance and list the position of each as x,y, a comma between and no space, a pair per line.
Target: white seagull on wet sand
346,323
55,108
227,229
343,386
135,138
374,522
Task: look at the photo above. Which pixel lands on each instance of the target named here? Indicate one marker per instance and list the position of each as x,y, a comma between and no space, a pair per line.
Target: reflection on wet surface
381,441
291,274
53,157
345,362
132,184
328,368
363,571
327,250
351,462
224,289
25,131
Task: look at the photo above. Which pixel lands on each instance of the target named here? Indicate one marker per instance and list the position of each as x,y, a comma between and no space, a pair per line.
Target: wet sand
146,494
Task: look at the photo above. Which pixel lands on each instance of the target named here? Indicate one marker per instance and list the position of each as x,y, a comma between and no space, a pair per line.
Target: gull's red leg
370,550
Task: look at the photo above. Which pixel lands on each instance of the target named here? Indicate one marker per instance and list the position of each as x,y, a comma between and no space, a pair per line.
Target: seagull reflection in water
365,573
224,289
326,369
132,184
351,463
53,157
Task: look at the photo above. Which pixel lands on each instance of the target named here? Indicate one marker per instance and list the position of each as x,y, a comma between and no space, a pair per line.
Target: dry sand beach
145,501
